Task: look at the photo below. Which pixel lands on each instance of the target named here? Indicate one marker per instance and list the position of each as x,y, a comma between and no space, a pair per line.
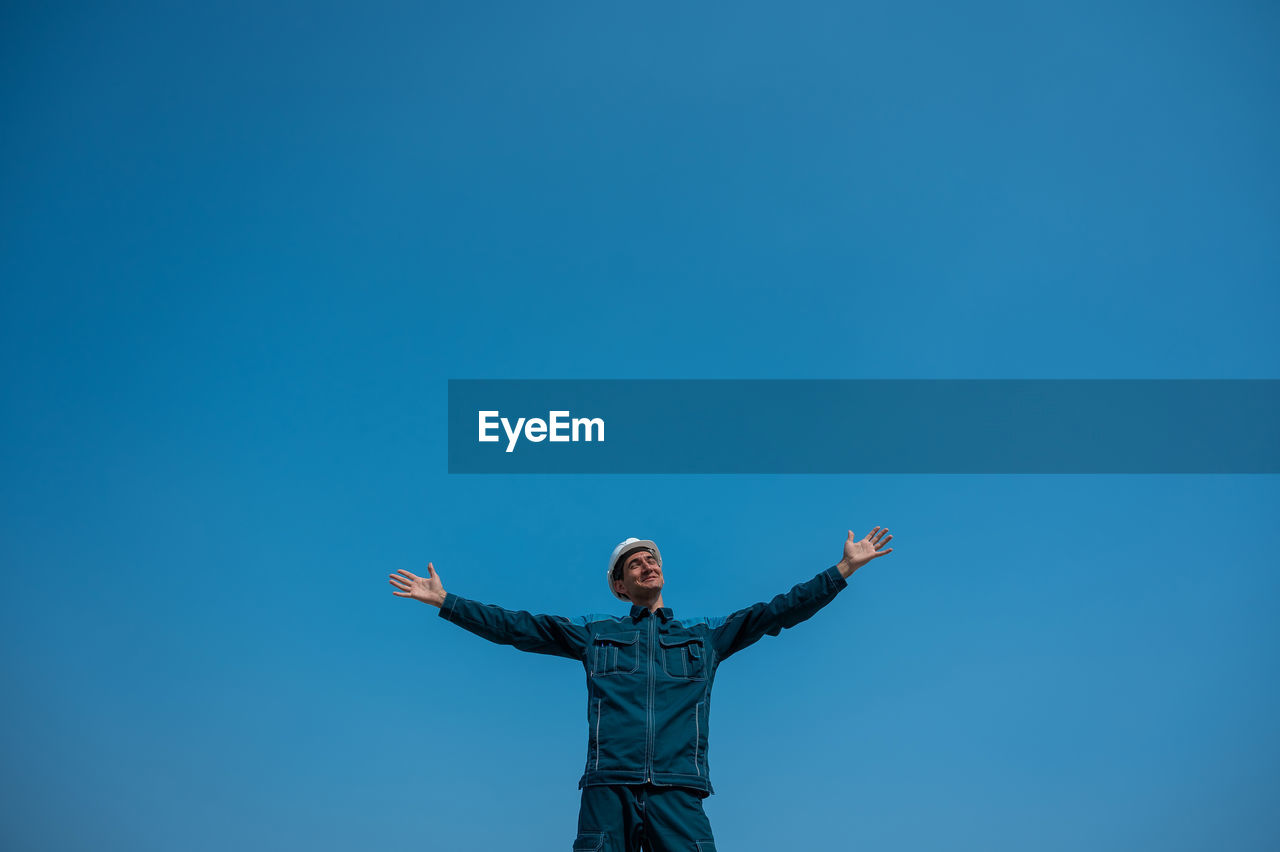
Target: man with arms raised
649,677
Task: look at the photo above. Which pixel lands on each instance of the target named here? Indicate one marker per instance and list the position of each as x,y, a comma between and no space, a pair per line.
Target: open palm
427,589
860,551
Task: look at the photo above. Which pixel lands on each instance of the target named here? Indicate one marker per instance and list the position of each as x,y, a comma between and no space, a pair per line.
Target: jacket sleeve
748,626
541,634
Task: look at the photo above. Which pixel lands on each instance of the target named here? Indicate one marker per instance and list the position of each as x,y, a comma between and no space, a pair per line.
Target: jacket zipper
648,757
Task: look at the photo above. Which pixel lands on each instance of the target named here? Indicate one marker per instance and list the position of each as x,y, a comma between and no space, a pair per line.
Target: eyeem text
558,426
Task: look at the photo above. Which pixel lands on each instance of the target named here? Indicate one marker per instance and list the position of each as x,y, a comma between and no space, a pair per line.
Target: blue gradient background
245,246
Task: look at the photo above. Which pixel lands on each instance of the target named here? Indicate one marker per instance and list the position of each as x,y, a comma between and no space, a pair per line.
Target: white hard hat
623,549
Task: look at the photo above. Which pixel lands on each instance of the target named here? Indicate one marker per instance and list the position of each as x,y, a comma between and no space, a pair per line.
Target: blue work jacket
649,674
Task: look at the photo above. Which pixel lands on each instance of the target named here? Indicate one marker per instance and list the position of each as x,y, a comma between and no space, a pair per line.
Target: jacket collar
639,612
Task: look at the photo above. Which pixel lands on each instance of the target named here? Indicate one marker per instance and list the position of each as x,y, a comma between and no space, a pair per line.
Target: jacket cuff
446,608
837,580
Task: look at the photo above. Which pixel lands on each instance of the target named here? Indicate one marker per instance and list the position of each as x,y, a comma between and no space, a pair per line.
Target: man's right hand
426,589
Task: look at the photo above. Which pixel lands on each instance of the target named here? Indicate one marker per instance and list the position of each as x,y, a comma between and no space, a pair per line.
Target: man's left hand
858,552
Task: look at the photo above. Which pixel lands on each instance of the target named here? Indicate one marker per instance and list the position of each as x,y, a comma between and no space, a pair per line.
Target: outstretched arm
541,634
748,626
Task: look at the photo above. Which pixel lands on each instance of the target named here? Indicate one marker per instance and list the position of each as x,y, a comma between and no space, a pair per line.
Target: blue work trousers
642,818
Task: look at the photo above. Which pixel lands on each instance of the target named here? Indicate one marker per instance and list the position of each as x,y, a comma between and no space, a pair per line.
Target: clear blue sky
244,247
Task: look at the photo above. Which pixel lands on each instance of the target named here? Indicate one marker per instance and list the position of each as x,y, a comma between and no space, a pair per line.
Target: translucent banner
864,426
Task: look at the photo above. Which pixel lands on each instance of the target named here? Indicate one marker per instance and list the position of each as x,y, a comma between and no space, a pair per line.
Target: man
649,679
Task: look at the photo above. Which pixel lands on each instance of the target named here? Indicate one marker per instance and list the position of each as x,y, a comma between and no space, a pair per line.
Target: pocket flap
588,843
618,638
693,642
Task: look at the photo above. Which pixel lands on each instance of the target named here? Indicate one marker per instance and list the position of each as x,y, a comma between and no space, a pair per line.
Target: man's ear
618,589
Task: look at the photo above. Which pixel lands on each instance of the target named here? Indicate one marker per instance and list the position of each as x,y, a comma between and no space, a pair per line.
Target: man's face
641,576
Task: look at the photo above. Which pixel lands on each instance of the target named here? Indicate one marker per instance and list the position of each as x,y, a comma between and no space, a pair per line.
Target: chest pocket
683,657
615,654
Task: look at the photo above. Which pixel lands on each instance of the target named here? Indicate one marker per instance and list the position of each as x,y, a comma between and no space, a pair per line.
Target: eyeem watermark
827,426
558,427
